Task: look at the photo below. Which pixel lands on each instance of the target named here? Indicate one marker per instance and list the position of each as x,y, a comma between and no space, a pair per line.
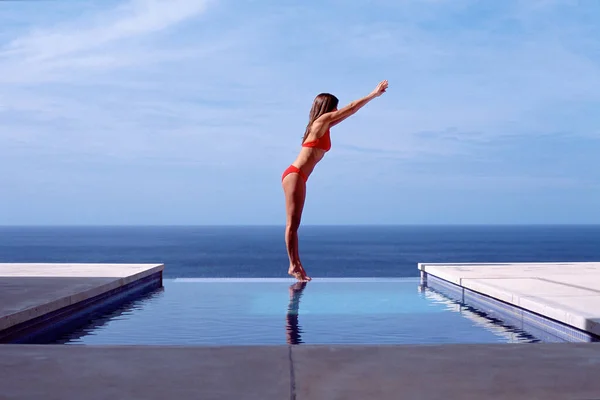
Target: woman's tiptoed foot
298,272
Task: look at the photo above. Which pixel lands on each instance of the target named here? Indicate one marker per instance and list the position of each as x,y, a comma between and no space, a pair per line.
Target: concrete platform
565,292
33,296
506,371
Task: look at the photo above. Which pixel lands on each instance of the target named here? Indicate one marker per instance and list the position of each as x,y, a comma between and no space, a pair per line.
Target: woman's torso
313,150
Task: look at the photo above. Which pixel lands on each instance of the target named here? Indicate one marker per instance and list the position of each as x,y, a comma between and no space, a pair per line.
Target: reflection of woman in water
324,114
292,329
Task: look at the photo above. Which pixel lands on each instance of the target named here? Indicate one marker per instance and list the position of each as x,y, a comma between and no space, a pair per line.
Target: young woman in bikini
324,114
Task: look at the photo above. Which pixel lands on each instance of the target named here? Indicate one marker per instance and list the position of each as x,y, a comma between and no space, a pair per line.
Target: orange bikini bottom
292,169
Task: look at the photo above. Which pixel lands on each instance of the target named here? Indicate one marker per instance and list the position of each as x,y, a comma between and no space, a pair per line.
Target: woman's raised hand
381,88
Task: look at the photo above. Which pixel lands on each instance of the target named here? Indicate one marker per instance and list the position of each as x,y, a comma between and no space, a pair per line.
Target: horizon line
283,225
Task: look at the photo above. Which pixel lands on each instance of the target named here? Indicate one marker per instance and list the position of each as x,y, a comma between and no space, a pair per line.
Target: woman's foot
306,277
298,272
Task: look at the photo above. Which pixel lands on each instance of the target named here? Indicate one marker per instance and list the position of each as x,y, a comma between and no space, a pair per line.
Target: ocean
326,251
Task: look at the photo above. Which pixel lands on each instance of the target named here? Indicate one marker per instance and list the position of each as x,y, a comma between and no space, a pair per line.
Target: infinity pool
279,311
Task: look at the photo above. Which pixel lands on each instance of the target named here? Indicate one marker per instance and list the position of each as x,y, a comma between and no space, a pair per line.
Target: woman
316,142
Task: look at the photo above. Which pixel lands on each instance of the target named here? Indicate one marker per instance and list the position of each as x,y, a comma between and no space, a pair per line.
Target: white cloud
110,84
214,96
136,18
73,89
115,38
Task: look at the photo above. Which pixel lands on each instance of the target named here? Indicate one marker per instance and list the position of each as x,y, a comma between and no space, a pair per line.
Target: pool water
279,311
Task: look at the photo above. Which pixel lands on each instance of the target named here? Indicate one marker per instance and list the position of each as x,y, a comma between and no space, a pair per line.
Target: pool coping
536,322
451,371
38,322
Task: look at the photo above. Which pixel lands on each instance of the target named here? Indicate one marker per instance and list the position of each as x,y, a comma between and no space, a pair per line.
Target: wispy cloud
225,87
119,84
82,43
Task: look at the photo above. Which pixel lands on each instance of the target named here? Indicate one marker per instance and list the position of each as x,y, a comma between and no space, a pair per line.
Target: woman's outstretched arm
335,117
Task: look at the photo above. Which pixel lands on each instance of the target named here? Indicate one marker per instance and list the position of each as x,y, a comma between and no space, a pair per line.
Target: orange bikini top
323,143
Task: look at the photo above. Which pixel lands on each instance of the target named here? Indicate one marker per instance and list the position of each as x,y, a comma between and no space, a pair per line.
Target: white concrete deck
566,292
29,291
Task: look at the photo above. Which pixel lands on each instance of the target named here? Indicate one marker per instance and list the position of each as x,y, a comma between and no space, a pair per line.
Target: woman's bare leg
295,194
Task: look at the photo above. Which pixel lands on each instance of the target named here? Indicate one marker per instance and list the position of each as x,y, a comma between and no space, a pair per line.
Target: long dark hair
324,103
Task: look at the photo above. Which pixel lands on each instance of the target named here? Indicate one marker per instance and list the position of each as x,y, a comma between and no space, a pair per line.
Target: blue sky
188,111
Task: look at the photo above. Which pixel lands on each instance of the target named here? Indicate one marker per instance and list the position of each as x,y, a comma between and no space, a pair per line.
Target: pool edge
45,327
538,325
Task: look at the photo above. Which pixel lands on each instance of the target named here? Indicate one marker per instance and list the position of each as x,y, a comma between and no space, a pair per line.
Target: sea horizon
326,250
303,225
